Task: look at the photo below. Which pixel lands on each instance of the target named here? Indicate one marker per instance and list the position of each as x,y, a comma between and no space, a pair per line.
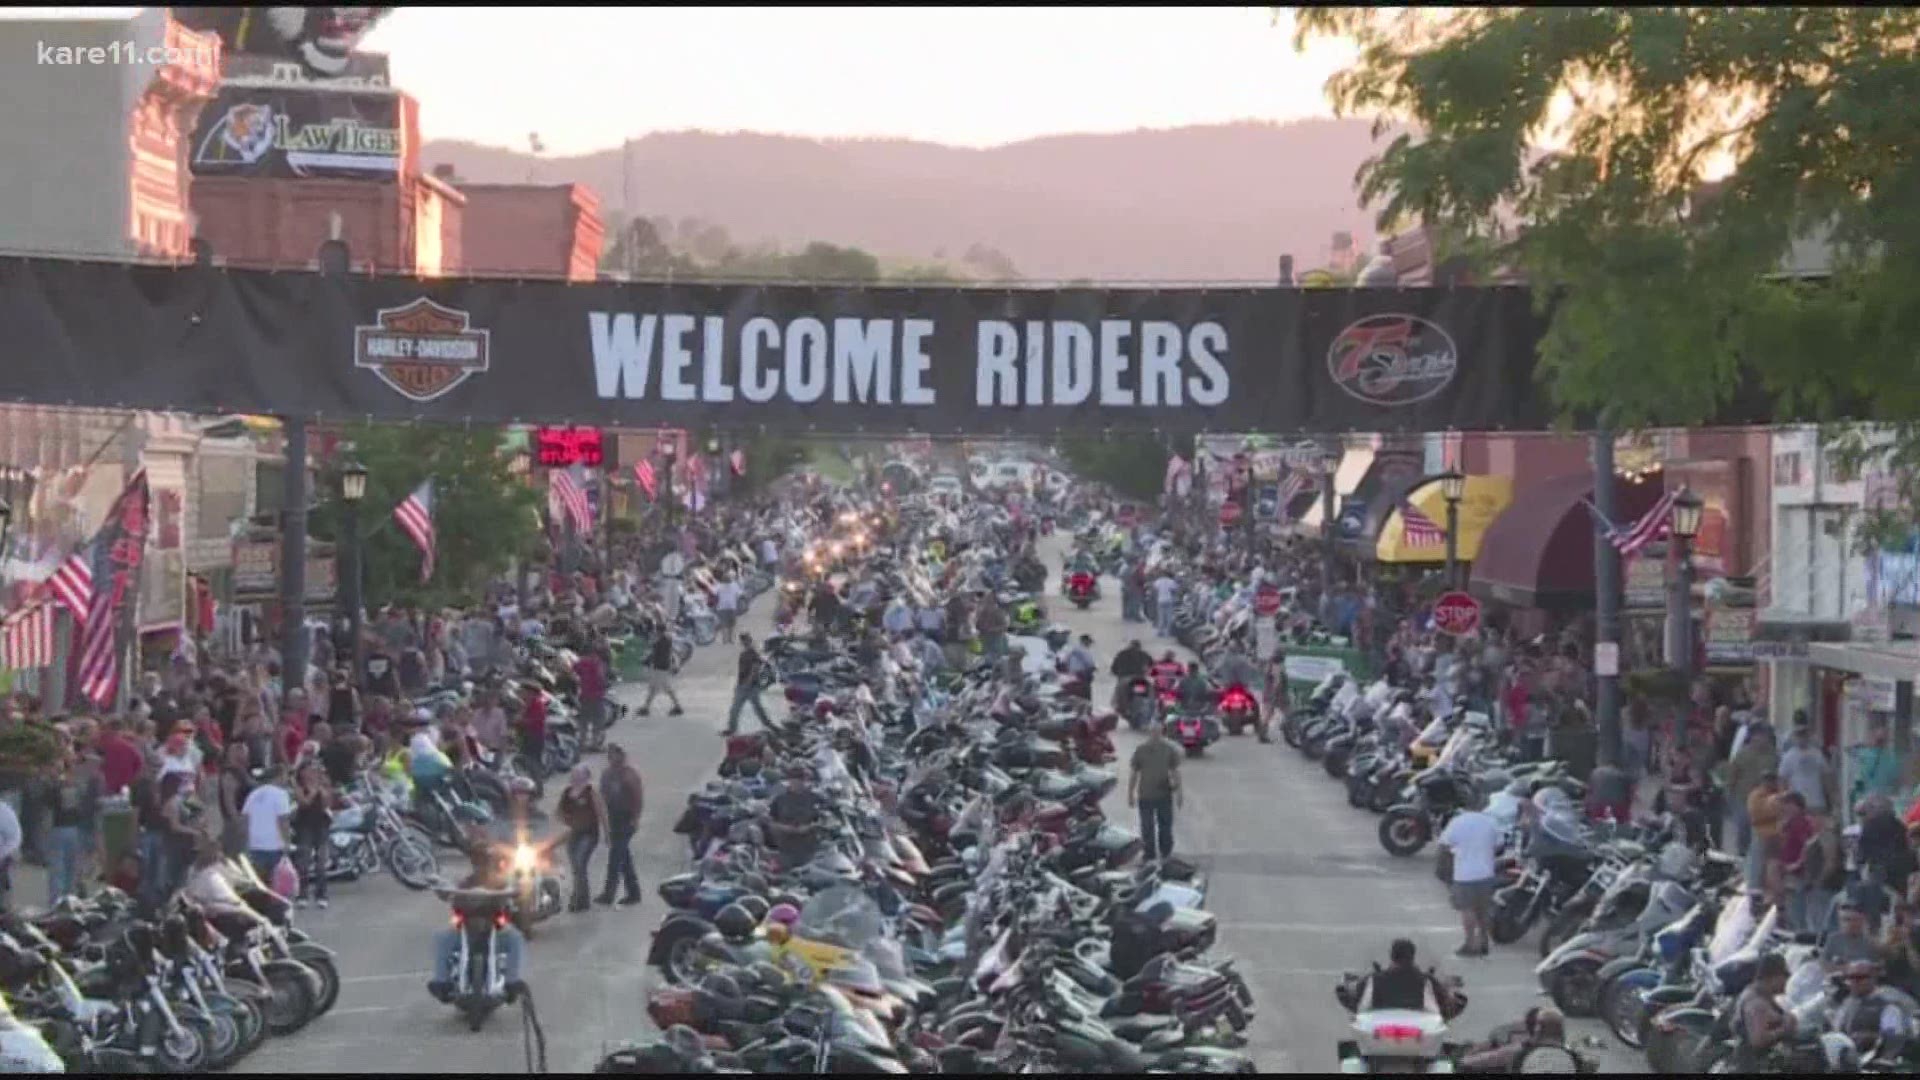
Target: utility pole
295,642
1606,596
126,637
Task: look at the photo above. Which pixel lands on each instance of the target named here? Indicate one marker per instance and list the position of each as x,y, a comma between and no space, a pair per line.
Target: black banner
294,131
829,359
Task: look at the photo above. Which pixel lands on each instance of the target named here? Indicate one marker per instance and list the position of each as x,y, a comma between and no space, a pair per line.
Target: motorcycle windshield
843,915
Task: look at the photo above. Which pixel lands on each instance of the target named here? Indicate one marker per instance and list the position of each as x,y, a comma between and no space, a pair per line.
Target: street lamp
667,458
353,488
1684,523
1453,486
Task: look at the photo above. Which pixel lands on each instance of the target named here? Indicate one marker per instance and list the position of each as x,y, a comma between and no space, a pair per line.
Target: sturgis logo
242,137
421,349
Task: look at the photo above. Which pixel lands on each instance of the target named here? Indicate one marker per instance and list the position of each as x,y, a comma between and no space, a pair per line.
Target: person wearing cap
1873,1014
1850,942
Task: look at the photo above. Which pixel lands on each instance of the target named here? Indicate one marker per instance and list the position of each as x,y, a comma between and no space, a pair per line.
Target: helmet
720,985
783,914
755,906
734,921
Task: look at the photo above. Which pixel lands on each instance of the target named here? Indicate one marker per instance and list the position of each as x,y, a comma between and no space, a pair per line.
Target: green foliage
1133,465
483,514
28,747
1669,289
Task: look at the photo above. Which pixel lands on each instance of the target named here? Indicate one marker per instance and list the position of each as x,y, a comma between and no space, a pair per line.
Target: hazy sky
585,78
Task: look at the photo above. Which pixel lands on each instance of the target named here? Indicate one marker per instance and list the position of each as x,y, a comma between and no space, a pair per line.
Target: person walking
1875,765
726,606
585,817
1164,590
1764,816
1473,838
621,794
312,831
660,674
591,673
746,687
1153,787
1806,772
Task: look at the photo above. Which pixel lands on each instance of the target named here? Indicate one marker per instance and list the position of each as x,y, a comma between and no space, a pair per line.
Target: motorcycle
1238,708
1195,731
1396,1040
1082,589
479,983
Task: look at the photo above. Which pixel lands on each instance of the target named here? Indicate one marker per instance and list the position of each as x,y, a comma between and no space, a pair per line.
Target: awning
1539,553
1484,499
1898,661
1353,468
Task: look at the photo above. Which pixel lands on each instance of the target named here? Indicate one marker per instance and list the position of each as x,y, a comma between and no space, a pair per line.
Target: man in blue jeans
1153,785
746,687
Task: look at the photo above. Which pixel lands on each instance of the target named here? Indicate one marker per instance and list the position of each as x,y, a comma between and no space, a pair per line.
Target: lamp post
353,488
6,526
1453,486
1685,525
668,458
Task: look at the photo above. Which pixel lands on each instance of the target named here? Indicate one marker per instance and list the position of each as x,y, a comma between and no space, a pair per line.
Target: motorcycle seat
1137,1029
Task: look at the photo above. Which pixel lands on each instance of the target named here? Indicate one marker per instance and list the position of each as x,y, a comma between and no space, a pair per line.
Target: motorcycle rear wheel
1511,917
1623,1011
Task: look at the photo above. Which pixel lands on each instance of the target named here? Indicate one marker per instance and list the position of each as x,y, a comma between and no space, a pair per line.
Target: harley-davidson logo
421,349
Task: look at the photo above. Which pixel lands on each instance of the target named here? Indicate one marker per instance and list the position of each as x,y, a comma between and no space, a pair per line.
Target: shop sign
1780,650
1729,633
1646,583
256,571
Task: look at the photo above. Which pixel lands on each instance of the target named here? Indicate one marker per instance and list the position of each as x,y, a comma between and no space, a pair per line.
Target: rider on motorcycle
1402,985
490,871
1196,690
1129,664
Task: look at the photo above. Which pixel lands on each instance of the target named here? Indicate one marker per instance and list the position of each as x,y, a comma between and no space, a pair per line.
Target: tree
1134,465
1692,149
483,514
638,248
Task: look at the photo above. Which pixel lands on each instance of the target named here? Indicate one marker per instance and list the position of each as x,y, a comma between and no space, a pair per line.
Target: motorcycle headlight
523,858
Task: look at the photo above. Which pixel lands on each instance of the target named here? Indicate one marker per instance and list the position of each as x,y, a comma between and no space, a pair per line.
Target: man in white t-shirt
268,810
1474,840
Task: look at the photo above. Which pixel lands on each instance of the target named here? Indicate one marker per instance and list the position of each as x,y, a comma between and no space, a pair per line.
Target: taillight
459,920
1397,1033
500,920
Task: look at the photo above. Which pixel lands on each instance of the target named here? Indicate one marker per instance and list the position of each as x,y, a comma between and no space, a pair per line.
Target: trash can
117,833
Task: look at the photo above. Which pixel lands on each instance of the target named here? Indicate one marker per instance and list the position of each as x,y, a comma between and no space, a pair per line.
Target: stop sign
1456,613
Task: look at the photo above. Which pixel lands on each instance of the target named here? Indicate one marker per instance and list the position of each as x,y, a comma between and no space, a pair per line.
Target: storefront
1535,561
1482,501
1859,683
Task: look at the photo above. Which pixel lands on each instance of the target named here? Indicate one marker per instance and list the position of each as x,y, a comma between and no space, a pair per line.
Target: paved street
1301,885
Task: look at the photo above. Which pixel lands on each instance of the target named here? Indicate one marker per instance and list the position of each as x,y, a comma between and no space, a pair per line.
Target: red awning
1539,553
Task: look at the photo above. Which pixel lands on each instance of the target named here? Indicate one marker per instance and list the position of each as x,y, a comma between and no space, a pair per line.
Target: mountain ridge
1213,202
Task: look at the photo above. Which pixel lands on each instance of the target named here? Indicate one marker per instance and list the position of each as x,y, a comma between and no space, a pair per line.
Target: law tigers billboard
829,359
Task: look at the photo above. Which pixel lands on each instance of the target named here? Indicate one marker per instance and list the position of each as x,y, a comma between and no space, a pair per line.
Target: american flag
1653,525
1418,530
26,638
567,498
72,583
644,475
114,558
1290,489
415,515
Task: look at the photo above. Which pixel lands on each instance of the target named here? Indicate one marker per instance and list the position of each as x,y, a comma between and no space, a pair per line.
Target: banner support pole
1606,596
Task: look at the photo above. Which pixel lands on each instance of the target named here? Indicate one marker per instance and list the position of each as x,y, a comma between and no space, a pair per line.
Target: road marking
389,977
1338,928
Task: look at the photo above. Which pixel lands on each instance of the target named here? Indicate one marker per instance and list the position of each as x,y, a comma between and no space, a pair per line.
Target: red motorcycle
1238,708
1081,589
